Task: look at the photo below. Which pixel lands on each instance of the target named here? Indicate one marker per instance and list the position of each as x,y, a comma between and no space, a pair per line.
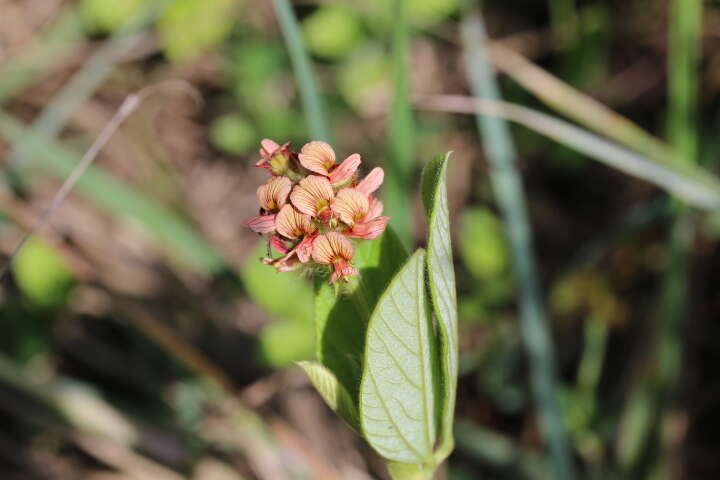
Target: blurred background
141,338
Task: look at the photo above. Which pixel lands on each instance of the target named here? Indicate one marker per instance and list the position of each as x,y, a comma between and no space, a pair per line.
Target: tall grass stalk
400,138
683,62
509,195
307,81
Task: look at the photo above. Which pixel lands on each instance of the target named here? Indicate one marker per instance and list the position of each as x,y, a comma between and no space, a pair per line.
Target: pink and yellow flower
312,196
271,197
312,206
334,249
319,158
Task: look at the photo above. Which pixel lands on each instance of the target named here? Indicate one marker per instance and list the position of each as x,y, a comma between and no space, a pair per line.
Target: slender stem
400,133
127,107
307,82
507,188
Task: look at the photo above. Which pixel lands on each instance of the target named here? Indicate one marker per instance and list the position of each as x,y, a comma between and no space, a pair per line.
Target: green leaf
397,392
441,280
341,317
334,394
410,471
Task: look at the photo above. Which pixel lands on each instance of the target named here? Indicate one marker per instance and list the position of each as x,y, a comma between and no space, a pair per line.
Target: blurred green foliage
332,31
189,27
186,27
233,133
43,274
104,16
288,299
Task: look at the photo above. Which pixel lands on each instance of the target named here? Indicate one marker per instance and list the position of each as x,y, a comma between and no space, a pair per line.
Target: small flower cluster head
312,206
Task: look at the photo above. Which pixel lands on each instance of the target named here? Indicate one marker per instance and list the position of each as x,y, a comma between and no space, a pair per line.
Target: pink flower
312,206
334,249
319,157
293,225
372,181
360,213
271,197
274,194
261,223
275,158
312,195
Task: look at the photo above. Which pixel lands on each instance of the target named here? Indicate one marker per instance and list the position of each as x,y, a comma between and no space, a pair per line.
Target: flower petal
375,209
372,181
267,146
292,224
342,268
261,223
350,205
274,194
312,194
317,156
331,246
277,242
304,249
368,230
345,170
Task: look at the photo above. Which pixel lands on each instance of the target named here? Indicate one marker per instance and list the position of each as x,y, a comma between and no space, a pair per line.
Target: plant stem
509,195
307,82
400,136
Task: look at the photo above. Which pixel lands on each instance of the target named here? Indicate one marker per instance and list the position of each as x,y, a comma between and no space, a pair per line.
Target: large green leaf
397,393
341,317
441,280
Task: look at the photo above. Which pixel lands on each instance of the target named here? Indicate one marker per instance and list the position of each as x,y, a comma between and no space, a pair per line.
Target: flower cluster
312,206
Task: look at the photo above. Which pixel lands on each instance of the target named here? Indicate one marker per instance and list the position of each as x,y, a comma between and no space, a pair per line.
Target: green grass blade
578,106
169,229
683,64
690,183
307,83
400,138
510,198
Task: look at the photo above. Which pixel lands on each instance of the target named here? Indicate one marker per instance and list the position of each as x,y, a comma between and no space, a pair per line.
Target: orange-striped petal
350,205
318,157
274,194
345,170
375,210
331,247
372,181
312,195
292,224
368,230
261,223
